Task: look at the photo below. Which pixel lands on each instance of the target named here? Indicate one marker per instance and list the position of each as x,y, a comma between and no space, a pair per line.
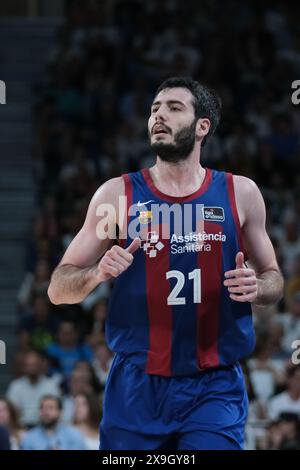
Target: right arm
90,259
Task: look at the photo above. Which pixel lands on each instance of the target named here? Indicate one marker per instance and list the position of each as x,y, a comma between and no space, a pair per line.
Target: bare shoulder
248,198
244,186
107,197
109,192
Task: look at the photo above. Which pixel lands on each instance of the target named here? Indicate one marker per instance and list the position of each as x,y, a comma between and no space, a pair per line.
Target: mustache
163,126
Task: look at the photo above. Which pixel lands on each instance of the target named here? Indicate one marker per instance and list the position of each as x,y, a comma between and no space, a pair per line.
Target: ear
202,128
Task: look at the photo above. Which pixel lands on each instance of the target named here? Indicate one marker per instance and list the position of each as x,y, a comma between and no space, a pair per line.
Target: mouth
159,130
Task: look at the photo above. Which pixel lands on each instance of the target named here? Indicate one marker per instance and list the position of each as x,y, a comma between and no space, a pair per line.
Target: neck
182,177
34,379
50,429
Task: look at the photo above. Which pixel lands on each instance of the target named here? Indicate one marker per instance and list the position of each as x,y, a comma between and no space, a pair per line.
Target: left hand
241,281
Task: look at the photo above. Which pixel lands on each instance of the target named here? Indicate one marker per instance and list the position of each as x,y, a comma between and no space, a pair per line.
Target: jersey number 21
195,276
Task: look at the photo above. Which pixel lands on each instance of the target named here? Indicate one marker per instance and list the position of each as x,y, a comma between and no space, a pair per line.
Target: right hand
117,260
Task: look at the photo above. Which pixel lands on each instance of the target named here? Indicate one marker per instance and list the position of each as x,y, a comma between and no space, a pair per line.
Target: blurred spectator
95,322
290,241
241,140
40,250
4,439
290,431
288,401
102,362
67,350
50,370
283,140
265,374
87,417
34,284
293,283
259,116
290,321
280,357
37,329
88,368
99,314
283,434
10,420
81,382
26,392
98,295
50,434
272,438
256,413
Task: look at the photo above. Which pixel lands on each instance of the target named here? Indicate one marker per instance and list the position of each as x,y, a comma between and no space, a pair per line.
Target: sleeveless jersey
169,312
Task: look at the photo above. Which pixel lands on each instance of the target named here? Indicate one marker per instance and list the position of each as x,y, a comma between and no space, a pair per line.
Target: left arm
261,283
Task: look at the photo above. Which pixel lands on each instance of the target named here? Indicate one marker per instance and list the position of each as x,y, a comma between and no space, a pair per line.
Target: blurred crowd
90,125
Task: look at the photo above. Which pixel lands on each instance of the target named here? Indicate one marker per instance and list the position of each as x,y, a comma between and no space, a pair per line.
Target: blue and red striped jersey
169,311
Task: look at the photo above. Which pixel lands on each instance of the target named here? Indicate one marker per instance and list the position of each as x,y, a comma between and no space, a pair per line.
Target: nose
160,115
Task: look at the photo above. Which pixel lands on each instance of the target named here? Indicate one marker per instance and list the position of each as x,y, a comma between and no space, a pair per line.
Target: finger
239,260
242,298
121,252
135,245
240,272
242,289
111,270
115,266
117,258
240,281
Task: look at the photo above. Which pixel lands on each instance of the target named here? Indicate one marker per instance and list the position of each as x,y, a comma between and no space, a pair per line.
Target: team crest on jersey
214,214
145,217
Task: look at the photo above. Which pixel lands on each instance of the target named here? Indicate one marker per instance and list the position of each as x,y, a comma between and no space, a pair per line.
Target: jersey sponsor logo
152,245
139,204
180,244
189,248
194,242
198,237
214,213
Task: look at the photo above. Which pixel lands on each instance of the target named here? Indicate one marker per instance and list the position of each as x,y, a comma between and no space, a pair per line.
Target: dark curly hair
207,103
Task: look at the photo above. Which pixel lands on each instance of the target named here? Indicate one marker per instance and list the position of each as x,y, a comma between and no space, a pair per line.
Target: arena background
80,77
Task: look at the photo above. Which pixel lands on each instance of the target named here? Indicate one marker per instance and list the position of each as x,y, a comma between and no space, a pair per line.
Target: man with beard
51,434
180,313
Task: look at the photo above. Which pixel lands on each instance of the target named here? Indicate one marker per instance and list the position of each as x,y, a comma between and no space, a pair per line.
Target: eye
175,108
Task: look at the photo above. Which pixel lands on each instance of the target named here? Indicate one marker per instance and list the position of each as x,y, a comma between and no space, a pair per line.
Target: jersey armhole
122,240
232,201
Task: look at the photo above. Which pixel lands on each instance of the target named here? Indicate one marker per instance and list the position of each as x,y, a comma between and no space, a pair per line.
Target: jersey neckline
204,186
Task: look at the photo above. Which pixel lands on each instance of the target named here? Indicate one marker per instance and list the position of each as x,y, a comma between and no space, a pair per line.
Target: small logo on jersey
139,204
145,217
214,213
152,244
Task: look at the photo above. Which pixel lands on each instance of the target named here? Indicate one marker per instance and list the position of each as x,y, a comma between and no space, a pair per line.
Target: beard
50,424
184,141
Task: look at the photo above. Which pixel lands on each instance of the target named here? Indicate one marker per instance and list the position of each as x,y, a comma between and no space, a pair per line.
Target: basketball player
180,313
